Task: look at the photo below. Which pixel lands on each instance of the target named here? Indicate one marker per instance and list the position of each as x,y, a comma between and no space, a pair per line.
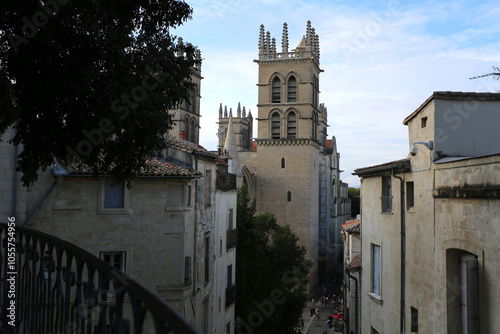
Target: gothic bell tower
291,135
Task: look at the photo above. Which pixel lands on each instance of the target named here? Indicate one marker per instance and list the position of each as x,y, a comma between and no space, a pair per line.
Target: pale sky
381,61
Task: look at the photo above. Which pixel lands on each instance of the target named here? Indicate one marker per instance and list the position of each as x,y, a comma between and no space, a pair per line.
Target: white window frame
102,197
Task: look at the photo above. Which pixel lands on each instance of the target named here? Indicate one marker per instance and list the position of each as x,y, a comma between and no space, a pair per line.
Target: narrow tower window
291,125
275,126
292,89
289,196
282,162
276,90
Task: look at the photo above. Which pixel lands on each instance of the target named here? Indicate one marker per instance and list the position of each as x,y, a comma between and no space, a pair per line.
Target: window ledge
177,208
386,213
376,298
113,211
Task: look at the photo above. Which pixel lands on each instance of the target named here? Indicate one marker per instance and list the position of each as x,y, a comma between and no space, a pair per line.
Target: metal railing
52,286
225,181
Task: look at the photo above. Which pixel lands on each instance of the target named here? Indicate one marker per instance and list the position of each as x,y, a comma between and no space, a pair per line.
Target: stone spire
262,42
273,45
284,39
230,112
244,112
231,149
238,111
220,111
225,111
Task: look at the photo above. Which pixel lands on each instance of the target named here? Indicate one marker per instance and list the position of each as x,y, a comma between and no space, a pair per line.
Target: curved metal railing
52,286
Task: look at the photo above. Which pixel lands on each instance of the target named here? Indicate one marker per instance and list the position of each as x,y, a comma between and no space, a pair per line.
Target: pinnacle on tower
262,43
273,45
284,39
179,47
308,35
238,111
230,112
268,43
232,149
244,112
225,111
220,111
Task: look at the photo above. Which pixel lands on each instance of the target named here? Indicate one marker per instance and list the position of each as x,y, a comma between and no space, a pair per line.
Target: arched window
193,131
291,125
276,90
187,128
275,126
282,162
289,196
292,89
314,126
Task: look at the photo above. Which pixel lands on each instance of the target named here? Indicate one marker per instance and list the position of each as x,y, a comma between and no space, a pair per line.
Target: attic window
424,122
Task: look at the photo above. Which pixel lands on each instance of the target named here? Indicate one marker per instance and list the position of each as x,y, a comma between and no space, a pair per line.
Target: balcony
225,181
52,286
231,238
230,295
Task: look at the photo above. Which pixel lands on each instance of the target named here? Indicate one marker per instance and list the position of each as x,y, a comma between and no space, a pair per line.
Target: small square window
424,122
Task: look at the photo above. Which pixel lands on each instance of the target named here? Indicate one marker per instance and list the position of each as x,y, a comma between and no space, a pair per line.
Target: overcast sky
381,61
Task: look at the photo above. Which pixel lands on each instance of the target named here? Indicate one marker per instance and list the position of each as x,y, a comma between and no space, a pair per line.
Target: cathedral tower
186,118
243,127
291,140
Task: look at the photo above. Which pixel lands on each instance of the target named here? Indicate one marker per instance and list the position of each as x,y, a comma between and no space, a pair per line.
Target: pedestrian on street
317,313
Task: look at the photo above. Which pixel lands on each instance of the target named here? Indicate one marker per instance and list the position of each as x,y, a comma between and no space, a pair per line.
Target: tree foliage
91,80
354,195
271,272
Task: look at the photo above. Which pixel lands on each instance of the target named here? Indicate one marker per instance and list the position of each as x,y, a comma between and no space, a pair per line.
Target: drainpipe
195,250
40,201
356,306
403,236
14,182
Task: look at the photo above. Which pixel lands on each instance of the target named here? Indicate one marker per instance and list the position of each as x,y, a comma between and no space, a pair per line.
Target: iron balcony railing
52,286
225,181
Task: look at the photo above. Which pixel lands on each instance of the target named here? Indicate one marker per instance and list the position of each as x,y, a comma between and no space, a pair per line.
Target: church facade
291,167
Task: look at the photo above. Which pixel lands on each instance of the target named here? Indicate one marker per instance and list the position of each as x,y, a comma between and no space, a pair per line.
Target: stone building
430,223
290,168
351,234
173,230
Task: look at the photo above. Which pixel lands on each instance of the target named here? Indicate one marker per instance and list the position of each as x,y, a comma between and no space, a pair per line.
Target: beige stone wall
300,177
157,232
383,230
9,203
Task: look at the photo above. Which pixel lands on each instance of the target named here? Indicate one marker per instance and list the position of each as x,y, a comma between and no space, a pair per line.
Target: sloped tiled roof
184,145
355,263
154,168
352,226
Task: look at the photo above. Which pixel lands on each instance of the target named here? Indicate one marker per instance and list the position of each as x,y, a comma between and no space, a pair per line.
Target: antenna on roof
496,74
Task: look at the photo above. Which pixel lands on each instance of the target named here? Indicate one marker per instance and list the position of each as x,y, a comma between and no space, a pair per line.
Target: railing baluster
64,289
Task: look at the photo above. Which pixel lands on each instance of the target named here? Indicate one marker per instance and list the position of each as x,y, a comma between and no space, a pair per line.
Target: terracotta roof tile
352,226
154,167
355,263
